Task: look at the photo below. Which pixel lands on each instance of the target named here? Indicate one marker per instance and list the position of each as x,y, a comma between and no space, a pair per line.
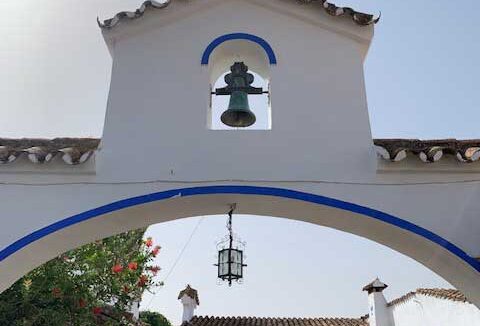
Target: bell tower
306,120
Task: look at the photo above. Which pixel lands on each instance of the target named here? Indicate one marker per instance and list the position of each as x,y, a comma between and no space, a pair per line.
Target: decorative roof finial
375,286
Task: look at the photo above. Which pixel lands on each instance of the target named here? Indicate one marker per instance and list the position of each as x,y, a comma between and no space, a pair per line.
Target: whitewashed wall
160,93
423,310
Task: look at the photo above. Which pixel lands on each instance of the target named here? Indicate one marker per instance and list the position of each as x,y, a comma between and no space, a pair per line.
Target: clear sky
422,77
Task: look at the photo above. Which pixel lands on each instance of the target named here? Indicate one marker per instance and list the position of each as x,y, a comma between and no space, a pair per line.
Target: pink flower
149,242
142,281
155,269
97,310
133,266
117,269
156,250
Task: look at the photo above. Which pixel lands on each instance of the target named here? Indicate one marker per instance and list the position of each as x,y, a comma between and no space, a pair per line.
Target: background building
423,307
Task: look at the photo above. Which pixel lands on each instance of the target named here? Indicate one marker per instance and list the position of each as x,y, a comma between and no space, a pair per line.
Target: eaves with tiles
361,19
74,151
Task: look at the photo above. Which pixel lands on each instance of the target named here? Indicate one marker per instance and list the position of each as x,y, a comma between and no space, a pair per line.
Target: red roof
254,321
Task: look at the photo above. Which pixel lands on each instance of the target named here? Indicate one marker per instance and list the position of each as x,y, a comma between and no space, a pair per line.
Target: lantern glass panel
237,263
223,263
236,256
223,256
234,269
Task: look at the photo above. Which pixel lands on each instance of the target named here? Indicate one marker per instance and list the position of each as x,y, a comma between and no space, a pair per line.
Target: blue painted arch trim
239,36
241,190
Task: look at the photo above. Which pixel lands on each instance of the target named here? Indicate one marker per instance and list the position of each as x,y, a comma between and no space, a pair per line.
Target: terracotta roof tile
359,18
428,151
79,150
446,294
254,321
449,294
73,150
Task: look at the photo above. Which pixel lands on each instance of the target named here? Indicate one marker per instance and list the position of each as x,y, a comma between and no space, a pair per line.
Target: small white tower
189,299
378,314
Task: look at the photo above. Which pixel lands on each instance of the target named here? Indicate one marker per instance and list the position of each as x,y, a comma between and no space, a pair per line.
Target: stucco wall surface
429,311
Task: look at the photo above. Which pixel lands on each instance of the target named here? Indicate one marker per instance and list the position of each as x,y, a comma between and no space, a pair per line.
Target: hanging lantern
230,256
238,87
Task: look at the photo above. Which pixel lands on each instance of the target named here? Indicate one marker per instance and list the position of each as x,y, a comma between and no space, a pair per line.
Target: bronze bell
238,87
238,113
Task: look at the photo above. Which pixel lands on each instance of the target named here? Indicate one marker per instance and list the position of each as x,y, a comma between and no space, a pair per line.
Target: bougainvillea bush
94,284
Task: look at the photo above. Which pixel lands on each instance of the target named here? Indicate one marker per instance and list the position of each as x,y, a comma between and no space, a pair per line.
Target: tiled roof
359,18
73,150
130,15
78,150
428,151
192,293
254,321
446,294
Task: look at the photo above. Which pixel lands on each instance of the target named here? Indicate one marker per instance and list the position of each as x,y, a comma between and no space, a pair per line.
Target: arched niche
255,52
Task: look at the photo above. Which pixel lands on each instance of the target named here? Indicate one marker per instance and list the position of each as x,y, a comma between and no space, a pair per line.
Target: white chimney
379,314
190,301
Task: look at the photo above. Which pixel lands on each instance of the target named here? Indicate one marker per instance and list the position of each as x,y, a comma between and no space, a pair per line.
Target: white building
437,307
423,307
161,158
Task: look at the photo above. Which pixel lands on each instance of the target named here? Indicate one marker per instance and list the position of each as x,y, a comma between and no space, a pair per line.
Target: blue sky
422,72
422,77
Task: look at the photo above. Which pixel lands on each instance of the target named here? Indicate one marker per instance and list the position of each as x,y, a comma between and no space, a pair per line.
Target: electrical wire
177,260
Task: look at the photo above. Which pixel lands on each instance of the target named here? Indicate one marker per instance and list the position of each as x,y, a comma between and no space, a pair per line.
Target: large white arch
424,246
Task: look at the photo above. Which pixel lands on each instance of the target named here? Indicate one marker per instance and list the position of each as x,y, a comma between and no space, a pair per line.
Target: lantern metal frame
231,257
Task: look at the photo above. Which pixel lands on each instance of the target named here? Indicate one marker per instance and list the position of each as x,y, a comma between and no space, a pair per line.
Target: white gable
317,94
153,14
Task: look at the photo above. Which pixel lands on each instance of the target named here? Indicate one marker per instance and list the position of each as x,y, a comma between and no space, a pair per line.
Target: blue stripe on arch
241,190
239,36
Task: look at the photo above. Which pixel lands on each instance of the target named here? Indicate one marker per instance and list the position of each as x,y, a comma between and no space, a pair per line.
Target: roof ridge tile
277,321
357,17
446,294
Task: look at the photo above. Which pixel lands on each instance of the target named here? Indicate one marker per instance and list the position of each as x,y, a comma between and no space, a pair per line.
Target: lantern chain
230,231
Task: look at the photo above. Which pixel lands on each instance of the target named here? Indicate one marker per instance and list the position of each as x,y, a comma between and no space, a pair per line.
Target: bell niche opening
239,87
